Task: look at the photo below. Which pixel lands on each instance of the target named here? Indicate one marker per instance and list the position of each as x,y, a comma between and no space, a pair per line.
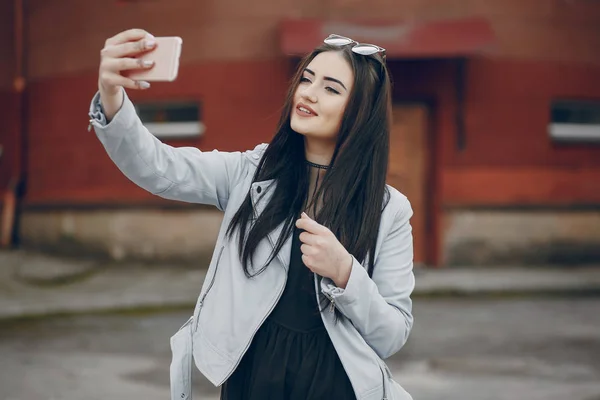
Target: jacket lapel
261,194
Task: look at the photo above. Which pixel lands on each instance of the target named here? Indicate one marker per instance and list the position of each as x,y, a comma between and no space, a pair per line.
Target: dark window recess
169,112
172,119
575,121
576,112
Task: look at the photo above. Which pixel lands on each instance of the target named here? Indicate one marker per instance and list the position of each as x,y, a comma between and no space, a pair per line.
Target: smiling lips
305,111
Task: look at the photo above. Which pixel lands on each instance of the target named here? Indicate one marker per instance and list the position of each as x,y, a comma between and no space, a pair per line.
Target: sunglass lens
338,41
365,49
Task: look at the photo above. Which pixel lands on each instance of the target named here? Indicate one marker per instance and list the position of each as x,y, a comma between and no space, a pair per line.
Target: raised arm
183,173
176,173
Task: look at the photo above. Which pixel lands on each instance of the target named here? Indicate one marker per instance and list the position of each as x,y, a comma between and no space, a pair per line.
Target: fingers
310,225
111,79
115,57
308,250
111,68
124,64
128,36
128,48
306,260
311,239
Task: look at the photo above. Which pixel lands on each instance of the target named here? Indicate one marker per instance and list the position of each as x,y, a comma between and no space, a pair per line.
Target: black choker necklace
311,164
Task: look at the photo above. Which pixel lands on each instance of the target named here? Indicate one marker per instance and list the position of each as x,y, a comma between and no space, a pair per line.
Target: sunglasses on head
364,49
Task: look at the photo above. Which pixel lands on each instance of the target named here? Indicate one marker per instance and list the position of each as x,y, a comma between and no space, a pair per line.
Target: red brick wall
9,138
7,55
508,158
66,36
508,111
231,62
9,160
240,107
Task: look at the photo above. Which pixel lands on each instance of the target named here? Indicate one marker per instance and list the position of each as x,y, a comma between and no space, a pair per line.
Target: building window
575,121
172,119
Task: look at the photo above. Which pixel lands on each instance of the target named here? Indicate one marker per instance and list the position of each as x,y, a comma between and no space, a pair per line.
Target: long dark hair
353,190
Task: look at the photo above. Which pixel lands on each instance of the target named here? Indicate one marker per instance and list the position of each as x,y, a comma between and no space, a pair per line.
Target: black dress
291,356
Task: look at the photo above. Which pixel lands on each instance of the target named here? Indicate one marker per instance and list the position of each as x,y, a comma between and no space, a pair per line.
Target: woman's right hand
118,56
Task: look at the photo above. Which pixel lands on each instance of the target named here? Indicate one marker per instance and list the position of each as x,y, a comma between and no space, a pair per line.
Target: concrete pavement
483,342
36,284
465,348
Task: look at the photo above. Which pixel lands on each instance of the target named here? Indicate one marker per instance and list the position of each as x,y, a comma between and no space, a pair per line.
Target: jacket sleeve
175,173
381,308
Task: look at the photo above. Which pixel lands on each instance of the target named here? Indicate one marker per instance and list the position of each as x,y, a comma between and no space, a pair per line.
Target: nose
308,93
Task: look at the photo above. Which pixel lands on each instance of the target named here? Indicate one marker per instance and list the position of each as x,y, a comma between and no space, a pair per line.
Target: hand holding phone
165,58
132,59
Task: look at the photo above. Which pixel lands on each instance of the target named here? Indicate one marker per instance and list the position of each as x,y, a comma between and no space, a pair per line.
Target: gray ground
467,349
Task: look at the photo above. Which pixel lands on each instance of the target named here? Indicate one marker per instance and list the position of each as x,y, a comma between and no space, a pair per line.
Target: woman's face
321,96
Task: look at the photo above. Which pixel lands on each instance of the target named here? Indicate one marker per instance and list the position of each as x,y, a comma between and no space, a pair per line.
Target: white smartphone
166,56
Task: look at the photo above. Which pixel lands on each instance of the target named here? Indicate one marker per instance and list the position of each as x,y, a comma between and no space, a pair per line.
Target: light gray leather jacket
230,309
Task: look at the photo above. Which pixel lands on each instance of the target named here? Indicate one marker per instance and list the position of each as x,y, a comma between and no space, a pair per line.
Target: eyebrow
327,78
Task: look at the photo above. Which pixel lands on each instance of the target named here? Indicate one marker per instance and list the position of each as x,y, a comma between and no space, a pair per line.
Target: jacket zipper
256,330
271,307
383,376
331,302
384,372
210,285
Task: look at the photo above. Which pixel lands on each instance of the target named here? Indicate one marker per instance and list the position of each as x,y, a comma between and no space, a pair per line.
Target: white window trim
176,129
574,132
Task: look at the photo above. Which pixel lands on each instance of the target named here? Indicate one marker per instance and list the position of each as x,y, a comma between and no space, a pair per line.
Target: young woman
309,286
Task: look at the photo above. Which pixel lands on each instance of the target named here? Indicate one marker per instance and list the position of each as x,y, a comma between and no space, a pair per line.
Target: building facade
486,141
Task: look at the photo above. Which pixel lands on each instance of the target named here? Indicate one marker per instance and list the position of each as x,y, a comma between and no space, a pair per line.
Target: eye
304,79
331,90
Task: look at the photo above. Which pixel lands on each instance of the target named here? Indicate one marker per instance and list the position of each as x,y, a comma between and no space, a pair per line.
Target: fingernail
304,214
144,84
148,63
149,36
150,43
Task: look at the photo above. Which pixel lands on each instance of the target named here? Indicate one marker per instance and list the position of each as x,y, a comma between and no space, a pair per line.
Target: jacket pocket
181,363
207,291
